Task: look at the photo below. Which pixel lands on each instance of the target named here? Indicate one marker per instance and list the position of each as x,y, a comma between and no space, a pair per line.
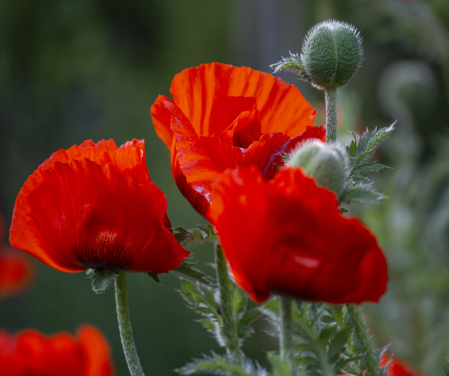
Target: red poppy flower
16,269
398,367
31,353
225,117
395,367
287,236
94,206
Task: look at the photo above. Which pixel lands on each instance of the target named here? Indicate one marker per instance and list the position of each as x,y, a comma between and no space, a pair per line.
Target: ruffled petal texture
31,353
94,206
227,117
287,236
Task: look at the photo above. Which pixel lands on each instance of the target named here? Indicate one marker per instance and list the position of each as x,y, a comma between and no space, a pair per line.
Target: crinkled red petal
32,353
276,159
282,107
294,232
195,163
161,112
91,216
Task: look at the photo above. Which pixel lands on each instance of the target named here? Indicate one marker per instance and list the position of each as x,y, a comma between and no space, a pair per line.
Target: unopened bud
328,164
332,52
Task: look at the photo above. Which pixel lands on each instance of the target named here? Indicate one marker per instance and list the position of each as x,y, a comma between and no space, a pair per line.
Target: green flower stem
372,368
331,114
286,334
124,325
228,333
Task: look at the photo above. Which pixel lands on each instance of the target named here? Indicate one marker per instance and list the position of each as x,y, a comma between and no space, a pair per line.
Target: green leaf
186,270
280,366
245,323
362,194
101,279
197,235
222,365
337,344
369,167
154,277
291,64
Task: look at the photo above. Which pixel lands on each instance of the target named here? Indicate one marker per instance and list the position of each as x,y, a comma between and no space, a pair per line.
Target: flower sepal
101,279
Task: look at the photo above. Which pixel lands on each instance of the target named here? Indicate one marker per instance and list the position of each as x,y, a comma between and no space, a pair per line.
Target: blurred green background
71,71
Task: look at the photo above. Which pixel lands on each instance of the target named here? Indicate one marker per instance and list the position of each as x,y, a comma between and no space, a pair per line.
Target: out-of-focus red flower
226,117
16,268
94,206
395,367
30,353
398,367
287,236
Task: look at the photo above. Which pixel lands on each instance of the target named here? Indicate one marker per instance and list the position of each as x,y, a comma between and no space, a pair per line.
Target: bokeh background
71,71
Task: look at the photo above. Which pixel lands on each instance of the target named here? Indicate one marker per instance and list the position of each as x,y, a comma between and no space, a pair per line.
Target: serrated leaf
193,236
280,366
292,64
362,194
246,322
222,365
101,280
337,344
186,270
369,167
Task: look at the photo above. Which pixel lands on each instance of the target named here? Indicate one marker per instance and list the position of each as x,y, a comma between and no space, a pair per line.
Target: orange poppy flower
31,353
16,269
226,117
94,206
287,236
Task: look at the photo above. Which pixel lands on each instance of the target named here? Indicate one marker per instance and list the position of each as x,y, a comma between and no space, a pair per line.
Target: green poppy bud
331,54
327,163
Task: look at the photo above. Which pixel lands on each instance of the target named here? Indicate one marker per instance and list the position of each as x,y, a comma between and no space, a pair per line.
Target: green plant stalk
124,325
286,334
331,114
372,368
228,331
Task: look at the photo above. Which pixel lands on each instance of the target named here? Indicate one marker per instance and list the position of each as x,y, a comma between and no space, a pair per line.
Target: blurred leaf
186,270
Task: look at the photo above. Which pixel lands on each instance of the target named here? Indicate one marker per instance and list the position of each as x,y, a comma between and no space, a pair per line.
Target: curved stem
372,368
124,325
228,333
286,334
331,114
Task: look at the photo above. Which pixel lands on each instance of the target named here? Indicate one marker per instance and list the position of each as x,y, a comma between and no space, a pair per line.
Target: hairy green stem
286,334
372,368
124,325
331,114
228,333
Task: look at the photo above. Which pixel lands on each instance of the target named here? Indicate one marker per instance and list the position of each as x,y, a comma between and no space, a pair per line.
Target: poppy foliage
31,353
94,206
287,236
16,269
226,117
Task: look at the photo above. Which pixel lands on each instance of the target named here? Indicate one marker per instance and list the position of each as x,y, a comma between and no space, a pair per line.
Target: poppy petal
276,160
161,114
31,353
81,229
282,107
195,163
294,231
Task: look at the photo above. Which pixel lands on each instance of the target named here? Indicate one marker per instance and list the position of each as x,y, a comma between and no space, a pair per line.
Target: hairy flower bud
332,52
327,163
